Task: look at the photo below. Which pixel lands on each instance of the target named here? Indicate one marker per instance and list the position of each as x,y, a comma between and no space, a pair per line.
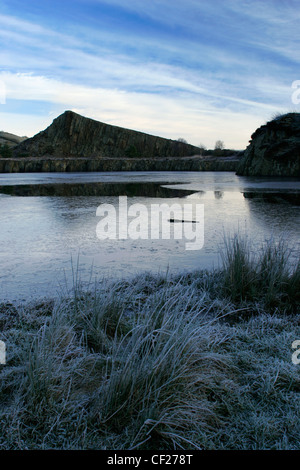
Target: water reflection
146,189
277,220
39,236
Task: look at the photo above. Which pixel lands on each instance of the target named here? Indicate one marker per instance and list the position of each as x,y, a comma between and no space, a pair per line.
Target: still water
43,239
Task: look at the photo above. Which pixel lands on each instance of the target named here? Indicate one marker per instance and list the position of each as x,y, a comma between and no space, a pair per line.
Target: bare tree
202,148
219,145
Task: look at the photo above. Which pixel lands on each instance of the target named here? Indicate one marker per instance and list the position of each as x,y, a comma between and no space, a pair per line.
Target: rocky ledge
52,164
274,149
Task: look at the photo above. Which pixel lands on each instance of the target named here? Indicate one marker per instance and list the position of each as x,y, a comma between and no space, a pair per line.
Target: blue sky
198,69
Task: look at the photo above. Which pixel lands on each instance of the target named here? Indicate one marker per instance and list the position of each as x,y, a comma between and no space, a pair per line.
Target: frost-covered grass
264,274
201,361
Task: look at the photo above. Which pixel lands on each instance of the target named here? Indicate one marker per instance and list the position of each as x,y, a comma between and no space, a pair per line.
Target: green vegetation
198,361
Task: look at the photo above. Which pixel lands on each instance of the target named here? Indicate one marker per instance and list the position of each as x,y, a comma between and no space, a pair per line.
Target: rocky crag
74,136
274,149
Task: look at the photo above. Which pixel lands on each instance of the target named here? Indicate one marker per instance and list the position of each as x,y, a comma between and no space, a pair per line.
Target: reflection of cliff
95,189
218,194
277,217
274,197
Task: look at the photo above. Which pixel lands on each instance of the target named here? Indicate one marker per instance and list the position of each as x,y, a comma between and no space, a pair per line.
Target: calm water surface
43,238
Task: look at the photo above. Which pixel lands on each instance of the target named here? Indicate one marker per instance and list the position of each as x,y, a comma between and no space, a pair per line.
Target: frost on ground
158,362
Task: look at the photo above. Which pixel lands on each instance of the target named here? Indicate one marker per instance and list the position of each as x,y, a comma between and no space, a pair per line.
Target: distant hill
72,135
10,139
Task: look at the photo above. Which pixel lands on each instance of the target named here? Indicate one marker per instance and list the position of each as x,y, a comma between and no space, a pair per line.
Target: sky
201,70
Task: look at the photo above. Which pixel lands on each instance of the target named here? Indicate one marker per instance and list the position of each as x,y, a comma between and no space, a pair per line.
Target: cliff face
274,149
36,165
72,135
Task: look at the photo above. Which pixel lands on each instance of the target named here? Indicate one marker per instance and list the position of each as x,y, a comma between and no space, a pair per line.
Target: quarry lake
48,224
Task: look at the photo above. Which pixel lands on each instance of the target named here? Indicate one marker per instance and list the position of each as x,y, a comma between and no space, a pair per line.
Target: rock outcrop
52,164
72,135
274,149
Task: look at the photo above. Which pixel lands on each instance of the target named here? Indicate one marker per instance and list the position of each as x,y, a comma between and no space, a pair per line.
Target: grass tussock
264,274
201,361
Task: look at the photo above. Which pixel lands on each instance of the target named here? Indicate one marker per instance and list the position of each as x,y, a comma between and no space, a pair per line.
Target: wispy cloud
197,121
203,68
